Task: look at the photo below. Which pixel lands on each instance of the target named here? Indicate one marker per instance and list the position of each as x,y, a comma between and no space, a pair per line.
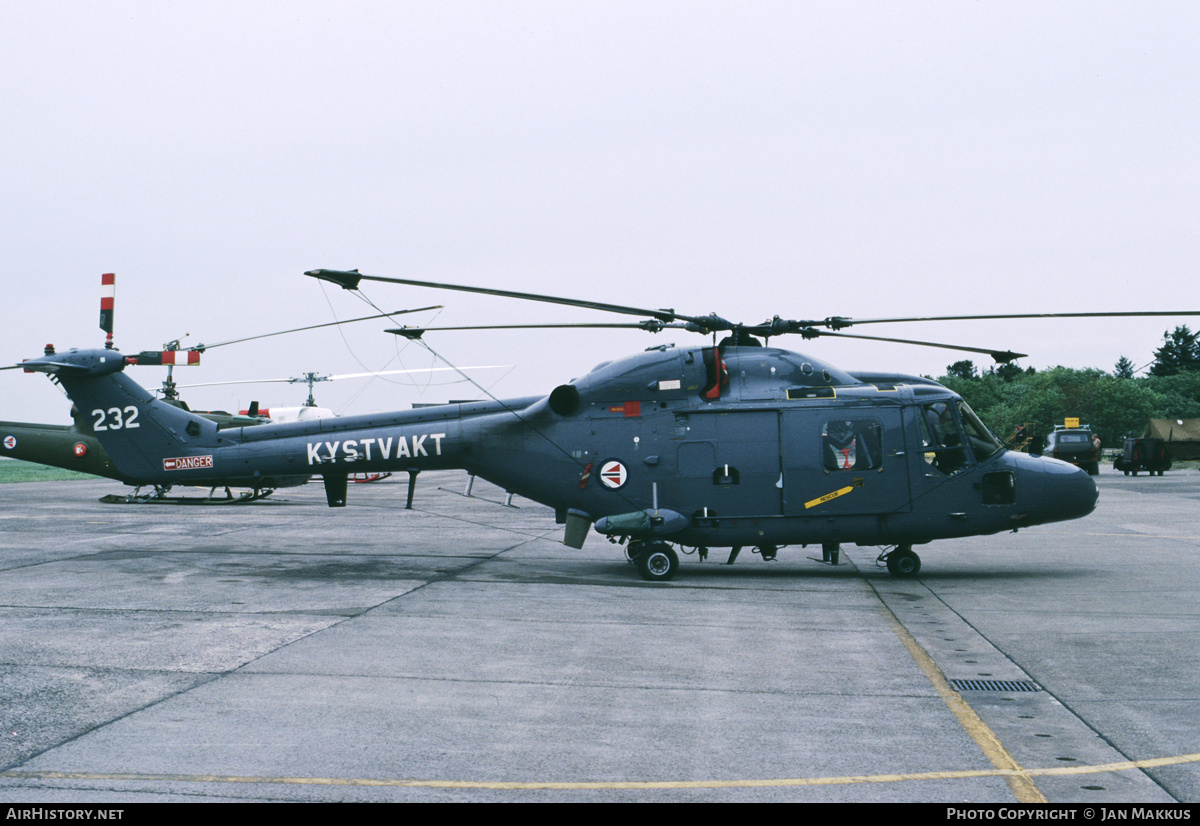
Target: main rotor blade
414,370
1001,356
651,326
202,347
349,280
837,322
316,378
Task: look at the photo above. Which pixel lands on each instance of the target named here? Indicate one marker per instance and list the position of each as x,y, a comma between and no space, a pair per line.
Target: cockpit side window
941,439
983,444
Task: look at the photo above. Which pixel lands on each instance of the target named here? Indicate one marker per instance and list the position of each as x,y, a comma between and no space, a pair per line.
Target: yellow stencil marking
821,500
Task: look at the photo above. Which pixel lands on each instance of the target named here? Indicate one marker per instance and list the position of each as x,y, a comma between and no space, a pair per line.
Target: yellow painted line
1020,782
828,497
1152,763
1145,536
1120,535
499,785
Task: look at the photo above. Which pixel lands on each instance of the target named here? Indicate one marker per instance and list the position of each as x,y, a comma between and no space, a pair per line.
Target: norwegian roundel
613,474
10,442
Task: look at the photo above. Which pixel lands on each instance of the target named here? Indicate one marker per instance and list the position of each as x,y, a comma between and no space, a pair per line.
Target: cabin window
852,444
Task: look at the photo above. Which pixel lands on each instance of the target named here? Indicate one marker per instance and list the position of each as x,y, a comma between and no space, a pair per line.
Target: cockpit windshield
983,443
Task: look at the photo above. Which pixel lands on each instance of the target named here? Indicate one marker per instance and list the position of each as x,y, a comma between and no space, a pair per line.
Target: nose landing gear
902,562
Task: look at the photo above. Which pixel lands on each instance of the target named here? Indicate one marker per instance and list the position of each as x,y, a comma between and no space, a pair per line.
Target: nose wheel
902,562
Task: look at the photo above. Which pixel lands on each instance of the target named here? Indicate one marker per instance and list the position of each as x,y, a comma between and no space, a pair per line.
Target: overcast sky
754,159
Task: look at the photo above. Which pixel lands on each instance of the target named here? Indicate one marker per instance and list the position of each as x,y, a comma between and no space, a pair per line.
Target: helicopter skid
160,498
466,494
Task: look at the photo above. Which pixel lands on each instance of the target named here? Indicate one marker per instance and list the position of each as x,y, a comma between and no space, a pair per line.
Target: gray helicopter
731,445
76,446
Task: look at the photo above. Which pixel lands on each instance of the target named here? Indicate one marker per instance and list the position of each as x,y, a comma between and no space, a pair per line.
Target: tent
1181,435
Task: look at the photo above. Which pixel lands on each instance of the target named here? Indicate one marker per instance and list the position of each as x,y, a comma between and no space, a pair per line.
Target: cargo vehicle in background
1146,454
1074,443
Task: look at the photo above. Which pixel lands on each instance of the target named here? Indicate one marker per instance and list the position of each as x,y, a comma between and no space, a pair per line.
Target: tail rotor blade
108,290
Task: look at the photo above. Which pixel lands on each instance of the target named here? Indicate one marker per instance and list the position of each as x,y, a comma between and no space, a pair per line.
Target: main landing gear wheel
903,562
657,562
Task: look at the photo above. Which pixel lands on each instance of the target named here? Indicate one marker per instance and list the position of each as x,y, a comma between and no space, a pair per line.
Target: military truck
1146,454
1076,444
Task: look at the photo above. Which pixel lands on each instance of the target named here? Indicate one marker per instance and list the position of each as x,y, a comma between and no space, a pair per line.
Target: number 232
115,419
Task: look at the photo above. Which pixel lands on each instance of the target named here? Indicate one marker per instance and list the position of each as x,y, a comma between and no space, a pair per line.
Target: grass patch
15,470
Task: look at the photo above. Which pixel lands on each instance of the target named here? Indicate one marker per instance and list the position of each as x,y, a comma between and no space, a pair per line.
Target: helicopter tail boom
145,438
156,442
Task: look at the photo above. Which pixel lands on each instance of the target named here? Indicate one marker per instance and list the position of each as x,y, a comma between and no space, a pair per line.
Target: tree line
1115,404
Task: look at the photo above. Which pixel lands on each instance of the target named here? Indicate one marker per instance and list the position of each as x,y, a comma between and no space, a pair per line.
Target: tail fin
137,431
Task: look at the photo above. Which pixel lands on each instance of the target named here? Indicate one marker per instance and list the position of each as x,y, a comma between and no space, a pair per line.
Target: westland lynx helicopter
732,445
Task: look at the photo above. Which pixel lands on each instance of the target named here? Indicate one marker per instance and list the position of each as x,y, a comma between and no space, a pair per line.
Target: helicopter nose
1070,491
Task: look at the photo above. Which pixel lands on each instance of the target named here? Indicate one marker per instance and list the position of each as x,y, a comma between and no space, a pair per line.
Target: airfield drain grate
994,685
